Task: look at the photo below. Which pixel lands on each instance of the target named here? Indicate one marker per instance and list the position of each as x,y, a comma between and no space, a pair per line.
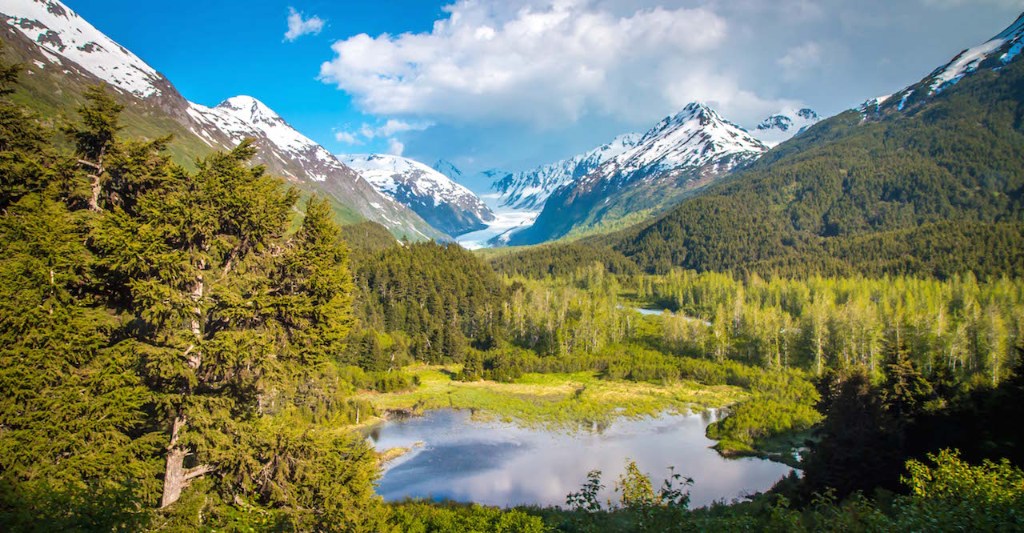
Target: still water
502,464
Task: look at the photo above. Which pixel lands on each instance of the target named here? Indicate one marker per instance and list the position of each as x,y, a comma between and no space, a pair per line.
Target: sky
513,84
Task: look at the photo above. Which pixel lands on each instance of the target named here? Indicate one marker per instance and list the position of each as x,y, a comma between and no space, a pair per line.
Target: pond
494,463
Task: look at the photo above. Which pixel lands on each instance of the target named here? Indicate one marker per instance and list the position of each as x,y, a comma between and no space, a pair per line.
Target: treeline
559,260
434,303
959,327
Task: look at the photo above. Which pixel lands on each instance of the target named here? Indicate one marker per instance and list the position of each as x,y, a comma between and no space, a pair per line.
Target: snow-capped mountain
61,32
783,126
444,204
242,117
65,48
448,169
993,54
1003,48
694,139
530,189
680,154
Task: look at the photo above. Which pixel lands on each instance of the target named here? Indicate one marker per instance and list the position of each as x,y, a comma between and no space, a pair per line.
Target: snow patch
60,31
969,60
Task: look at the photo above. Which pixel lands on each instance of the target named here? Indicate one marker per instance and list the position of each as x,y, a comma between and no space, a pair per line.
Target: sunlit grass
555,401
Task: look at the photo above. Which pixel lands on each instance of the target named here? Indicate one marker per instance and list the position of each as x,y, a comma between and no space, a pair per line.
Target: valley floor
564,401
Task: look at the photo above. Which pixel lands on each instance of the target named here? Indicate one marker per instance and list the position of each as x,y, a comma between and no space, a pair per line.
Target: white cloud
800,59
347,137
395,147
391,127
298,26
387,130
546,63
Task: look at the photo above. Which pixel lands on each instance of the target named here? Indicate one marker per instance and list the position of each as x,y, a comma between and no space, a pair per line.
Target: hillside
927,185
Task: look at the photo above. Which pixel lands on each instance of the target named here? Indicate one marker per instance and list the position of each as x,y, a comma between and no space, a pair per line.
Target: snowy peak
62,33
782,126
648,174
386,171
993,54
529,190
448,169
1006,46
52,34
444,204
250,109
256,114
693,138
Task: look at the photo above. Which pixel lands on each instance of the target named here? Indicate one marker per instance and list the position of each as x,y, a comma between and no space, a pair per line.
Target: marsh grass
553,401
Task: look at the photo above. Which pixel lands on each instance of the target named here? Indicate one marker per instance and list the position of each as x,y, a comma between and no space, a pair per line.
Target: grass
386,456
554,401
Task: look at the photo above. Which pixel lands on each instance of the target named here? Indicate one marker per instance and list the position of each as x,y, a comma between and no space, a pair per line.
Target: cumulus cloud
387,130
391,127
546,62
395,147
299,26
347,137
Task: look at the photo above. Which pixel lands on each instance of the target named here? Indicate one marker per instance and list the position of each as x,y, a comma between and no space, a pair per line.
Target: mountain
928,182
64,54
530,189
444,204
784,126
679,155
448,169
992,55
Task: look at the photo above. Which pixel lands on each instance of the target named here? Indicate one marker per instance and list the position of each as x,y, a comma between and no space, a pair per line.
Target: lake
502,464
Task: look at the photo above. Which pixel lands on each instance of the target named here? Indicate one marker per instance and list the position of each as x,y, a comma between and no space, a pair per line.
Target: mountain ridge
443,203
682,153
65,53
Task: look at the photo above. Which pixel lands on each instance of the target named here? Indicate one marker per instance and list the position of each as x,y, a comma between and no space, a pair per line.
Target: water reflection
502,464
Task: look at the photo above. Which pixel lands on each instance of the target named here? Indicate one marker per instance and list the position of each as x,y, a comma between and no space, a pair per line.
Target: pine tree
95,137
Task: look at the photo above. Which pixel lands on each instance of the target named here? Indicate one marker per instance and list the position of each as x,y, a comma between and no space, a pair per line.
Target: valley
211,321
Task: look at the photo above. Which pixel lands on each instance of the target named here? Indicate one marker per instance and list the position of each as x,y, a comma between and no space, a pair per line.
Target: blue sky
513,84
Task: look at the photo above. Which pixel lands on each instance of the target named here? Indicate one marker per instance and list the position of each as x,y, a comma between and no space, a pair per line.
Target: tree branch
89,164
200,470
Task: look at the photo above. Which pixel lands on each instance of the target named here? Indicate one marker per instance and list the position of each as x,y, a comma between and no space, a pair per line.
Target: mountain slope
444,204
448,169
680,154
925,182
530,189
63,54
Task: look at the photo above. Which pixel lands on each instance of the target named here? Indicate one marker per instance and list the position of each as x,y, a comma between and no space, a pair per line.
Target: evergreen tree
95,137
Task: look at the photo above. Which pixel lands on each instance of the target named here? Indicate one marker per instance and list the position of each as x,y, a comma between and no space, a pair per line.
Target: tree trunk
176,476
94,200
94,180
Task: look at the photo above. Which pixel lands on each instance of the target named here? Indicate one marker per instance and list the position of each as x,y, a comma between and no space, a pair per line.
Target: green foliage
432,301
158,325
561,260
416,517
367,237
953,493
